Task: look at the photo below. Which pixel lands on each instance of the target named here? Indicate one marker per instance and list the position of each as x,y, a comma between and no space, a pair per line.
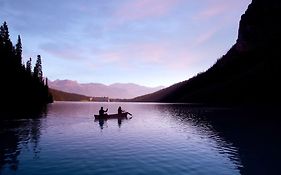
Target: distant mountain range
117,90
248,73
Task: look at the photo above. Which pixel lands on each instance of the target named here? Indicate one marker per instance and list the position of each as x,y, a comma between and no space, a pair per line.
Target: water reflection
250,136
195,117
161,138
119,120
101,123
18,131
255,133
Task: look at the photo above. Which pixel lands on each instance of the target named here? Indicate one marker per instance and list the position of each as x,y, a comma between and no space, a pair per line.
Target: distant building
100,99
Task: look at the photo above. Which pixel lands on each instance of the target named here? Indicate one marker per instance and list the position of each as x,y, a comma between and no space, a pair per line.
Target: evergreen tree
1,39
4,32
1,43
37,72
7,49
18,51
23,89
28,66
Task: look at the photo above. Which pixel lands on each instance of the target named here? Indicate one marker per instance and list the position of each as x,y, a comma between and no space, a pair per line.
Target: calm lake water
158,139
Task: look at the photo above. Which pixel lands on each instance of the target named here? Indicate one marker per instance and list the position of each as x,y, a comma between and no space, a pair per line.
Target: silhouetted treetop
21,87
5,33
18,51
28,66
37,72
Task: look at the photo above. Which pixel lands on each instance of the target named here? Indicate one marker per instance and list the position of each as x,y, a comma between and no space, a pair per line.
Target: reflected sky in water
158,139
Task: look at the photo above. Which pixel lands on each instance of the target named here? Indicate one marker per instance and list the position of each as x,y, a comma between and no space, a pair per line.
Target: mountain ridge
247,73
115,90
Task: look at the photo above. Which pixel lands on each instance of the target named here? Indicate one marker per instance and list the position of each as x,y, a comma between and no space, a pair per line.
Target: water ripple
159,139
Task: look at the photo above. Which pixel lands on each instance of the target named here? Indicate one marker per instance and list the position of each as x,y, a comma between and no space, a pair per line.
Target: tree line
22,86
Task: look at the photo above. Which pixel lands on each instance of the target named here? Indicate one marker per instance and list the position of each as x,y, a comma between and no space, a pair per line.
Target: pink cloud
149,52
110,57
204,37
212,11
159,54
64,51
139,52
183,59
217,8
140,9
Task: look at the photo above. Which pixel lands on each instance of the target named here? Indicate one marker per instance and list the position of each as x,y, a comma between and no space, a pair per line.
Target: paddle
130,115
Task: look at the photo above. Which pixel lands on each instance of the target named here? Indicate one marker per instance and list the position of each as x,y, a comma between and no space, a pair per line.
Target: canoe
112,116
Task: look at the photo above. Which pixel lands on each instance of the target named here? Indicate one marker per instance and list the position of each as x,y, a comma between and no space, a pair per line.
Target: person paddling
120,111
102,112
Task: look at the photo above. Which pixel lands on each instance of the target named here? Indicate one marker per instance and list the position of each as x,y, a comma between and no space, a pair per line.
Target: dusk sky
148,42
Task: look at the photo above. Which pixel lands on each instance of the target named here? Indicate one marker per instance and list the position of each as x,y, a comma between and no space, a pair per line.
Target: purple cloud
65,51
143,9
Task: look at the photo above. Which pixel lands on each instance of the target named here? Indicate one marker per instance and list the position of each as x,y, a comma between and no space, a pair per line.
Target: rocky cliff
248,73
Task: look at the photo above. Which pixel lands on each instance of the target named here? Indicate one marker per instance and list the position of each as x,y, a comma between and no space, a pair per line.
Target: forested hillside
248,73
22,86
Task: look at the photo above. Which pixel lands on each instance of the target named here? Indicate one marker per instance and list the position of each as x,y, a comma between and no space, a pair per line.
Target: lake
158,139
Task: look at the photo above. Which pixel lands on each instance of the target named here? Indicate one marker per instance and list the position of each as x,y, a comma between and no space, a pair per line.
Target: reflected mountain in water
161,138
255,133
252,131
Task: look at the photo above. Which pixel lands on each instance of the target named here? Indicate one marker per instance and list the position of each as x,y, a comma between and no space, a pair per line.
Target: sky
147,42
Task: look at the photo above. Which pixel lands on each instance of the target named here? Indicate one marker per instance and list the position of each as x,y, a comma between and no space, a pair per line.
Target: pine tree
18,51
7,49
1,38
37,72
20,82
28,66
4,32
1,42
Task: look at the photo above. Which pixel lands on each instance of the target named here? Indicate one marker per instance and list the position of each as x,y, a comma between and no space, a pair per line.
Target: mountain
248,73
117,90
64,96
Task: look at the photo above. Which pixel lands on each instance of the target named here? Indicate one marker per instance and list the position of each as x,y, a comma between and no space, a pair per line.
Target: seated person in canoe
102,112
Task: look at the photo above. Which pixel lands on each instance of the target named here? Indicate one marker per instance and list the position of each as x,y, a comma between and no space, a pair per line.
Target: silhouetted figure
119,122
120,111
102,112
101,123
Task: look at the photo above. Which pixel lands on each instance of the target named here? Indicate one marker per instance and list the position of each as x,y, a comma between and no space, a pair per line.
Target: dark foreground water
158,139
